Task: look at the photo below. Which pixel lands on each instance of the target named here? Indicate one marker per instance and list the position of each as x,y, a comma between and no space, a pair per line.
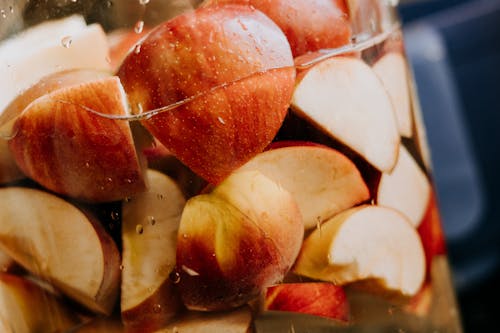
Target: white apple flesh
366,242
345,98
60,243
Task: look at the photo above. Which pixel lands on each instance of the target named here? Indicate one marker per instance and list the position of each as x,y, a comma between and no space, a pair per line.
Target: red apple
72,151
323,181
309,25
61,244
233,70
315,298
236,241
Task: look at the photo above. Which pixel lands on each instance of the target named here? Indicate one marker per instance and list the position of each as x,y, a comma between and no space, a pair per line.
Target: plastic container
229,166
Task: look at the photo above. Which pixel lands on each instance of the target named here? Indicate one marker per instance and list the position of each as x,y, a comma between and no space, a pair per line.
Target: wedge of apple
50,47
345,98
392,70
228,70
406,188
309,25
150,221
26,307
235,321
315,298
236,241
62,144
323,181
62,244
366,242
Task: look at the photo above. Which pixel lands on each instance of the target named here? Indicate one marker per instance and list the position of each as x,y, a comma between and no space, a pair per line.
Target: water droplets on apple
137,49
115,215
151,220
157,308
175,277
3,13
66,41
144,2
139,26
139,229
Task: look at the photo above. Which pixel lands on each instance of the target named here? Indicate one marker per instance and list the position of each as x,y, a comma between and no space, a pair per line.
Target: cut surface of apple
26,307
406,188
236,321
366,242
236,241
72,151
50,47
54,240
322,180
150,221
345,98
392,70
323,299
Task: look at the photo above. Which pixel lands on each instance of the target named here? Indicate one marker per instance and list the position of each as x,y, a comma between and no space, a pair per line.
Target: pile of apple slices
348,203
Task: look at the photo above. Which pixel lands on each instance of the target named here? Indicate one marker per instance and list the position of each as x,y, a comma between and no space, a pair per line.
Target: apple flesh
26,307
392,70
406,188
72,151
323,181
236,241
315,298
309,25
345,98
231,67
366,242
150,221
62,244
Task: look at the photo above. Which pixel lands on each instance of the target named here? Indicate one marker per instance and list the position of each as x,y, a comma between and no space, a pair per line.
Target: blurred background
454,50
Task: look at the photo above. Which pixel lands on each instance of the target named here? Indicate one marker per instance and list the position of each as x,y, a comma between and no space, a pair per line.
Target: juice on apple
223,166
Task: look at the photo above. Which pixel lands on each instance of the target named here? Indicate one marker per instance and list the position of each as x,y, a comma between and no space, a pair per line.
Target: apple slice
26,307
315,298
228,70
406,188
72,151
392,70
150,221
236,321
62,244
48,48
323,181
346,99
366,242
236,241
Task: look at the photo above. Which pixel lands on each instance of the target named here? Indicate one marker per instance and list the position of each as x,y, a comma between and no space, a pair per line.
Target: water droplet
115,215
143,2
221,120
121,267
109,180
160,196
139,26
190,271
128,199
139,229
3,13
157,308
185,236
137,49
175,277
11,9
152,220
128,180
66,41
87,164
109,3
74,0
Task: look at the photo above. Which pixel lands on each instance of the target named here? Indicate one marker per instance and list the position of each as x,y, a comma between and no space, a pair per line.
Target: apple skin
239,65
310,25
77,153
236,241
315,298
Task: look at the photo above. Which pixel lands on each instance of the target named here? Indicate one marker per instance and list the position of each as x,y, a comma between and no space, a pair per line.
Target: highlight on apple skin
232,69
236,241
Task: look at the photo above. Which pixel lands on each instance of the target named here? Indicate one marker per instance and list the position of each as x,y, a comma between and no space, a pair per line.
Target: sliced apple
406,188
236,241
366,242
47,48
26,307
346,99
150,221
392,70
70,150
62,244
315,298
236,321
323,181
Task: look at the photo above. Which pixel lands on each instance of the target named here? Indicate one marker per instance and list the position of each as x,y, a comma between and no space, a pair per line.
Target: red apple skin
314,298
309,25
235,48
74,152
431,232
